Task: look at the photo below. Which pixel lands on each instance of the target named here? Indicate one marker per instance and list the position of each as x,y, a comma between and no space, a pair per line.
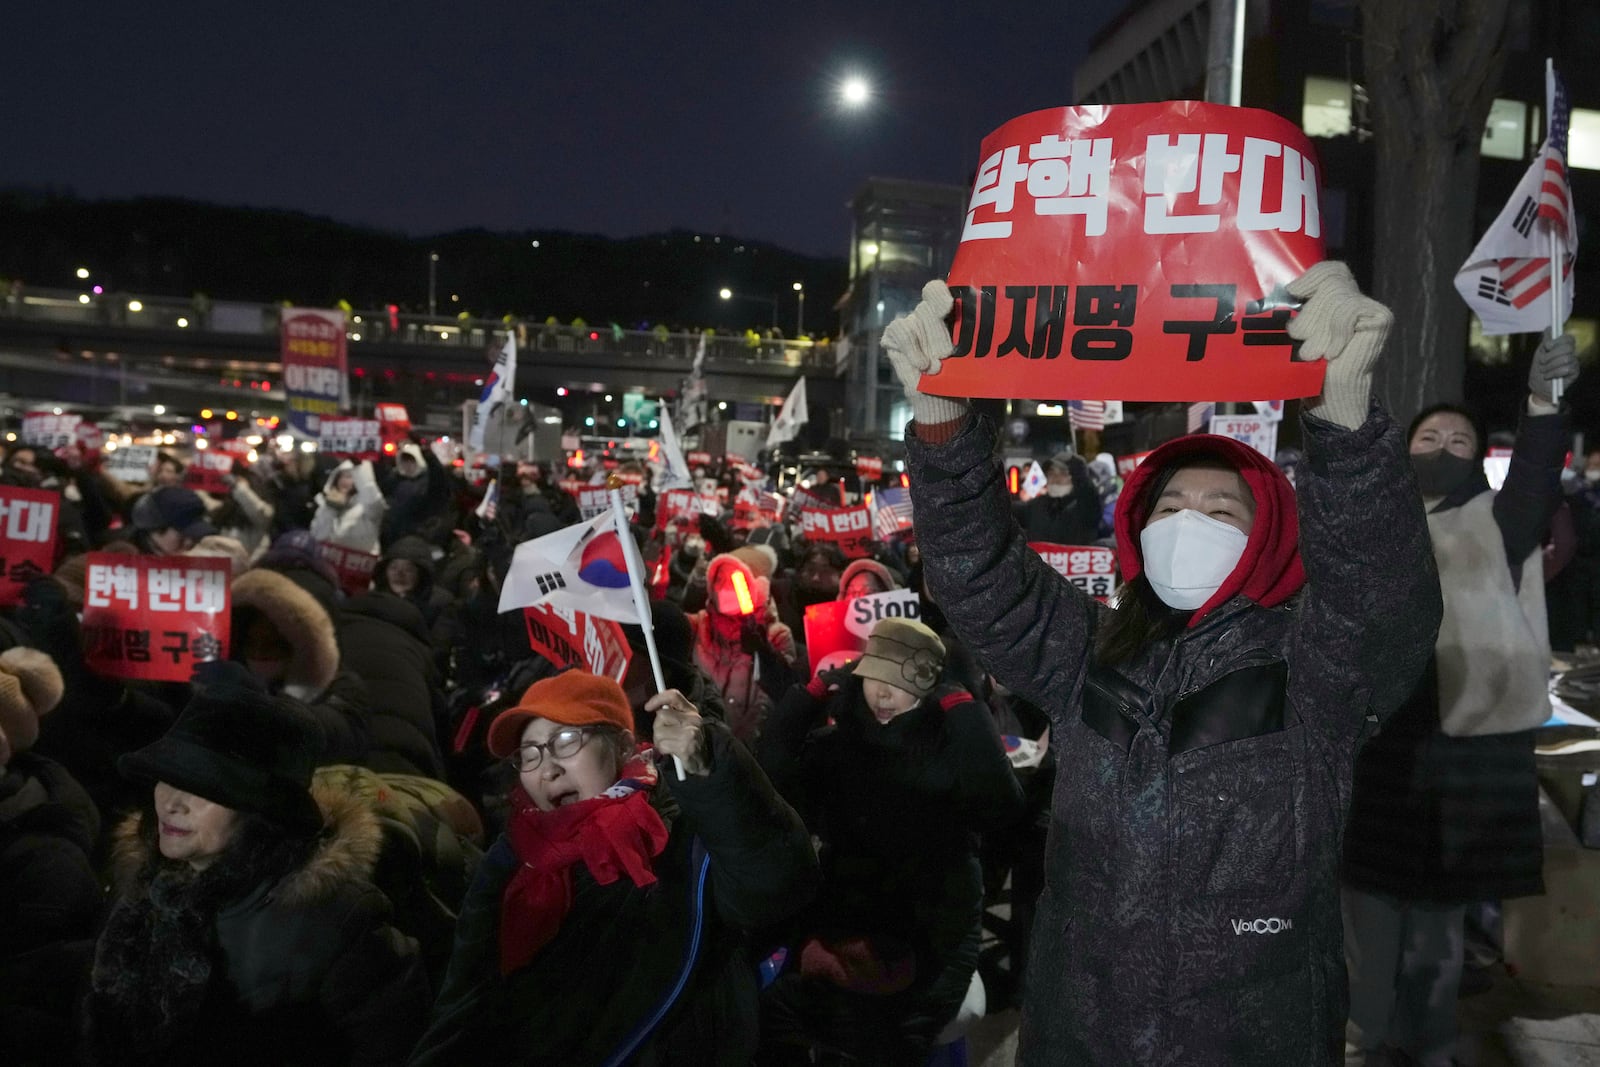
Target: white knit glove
916,344
1555,360
1347,329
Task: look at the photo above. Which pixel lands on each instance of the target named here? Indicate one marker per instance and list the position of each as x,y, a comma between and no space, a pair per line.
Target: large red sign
571,638
208,472
849,528
1092,568
28,521
1135,252
844,625
154,617
354,566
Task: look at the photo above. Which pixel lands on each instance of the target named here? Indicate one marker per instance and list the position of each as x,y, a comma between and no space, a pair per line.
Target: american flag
1200,414
1086,414
1554,193
893,508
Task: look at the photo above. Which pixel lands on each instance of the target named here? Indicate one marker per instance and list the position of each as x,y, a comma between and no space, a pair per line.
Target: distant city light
561,390
98,290
622,422
726,294
536,244
83,298
588,420
722,405
160,409
83,273
183,323
855,91
134,305
55,411
201,443
653,424
608,398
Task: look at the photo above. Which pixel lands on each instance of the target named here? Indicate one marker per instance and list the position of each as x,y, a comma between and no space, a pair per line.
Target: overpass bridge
128,350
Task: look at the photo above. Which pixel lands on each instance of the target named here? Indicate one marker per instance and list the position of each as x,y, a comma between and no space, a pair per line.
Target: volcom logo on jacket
1261,926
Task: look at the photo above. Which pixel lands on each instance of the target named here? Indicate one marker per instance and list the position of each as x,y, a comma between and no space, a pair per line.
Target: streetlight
854,92
800,312
83,273
433,277
729,294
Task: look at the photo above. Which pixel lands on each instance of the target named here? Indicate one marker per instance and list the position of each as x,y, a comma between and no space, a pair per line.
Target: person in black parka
383,641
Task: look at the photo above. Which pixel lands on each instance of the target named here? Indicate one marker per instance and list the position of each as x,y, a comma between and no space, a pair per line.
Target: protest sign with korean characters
315,366
208,472
44,429
1138,251
849,528
593,499
131,463
154,617
356,438
28,521
571,638
1092,568
869,468
1259,433
354,567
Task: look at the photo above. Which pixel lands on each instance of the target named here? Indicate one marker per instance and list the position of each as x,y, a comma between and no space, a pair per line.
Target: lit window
1505,134
1583,139
1326,111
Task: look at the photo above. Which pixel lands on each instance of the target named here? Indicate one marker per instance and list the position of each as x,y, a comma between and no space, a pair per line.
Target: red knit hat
1270,571
572,698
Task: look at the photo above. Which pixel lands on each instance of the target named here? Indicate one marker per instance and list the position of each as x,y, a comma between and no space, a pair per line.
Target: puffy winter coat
381,639
300,968
652,975
1191,911
49,831
351,519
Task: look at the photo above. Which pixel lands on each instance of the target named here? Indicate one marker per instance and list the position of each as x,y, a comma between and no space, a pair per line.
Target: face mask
1057,490
1440,473
1188,556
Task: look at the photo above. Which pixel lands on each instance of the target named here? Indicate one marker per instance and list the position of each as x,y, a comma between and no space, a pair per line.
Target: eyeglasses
562,744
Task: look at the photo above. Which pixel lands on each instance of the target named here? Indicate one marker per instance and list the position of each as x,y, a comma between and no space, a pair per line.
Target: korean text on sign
154,618
47,430
849,528
362,438
1138,251
28,520
1092,568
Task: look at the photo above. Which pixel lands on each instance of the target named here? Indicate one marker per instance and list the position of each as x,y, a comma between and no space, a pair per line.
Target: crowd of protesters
385,830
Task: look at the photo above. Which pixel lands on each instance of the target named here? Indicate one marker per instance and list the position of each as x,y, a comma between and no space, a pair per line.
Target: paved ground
1515,1024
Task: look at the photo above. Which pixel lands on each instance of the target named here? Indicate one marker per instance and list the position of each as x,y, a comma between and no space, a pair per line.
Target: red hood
1269,572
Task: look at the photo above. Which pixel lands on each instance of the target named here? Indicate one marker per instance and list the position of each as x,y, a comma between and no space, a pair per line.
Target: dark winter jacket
428,598
898,807
381,639
301,967
1073,519
655,975
1455,820
49,829
1191,909
417,506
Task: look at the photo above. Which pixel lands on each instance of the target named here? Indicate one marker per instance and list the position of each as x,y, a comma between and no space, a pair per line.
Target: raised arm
1532,489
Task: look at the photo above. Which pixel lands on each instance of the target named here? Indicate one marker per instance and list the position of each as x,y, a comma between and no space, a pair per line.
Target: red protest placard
675,503
849,528
154,617
354,566
28,521
570,638
698,459
1092,568
1127,464
1136,252
844,625
207,471
357,438
869,468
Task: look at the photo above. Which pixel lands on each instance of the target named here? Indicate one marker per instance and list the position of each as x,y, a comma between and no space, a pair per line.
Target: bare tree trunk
1432,67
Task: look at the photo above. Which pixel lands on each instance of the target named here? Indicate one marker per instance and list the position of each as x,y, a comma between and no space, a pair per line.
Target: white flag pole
1557,240
641,599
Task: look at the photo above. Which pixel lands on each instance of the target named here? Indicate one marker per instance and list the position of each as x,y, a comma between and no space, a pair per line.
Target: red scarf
616,833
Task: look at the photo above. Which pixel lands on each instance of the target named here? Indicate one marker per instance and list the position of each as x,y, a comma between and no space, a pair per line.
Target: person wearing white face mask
1205,727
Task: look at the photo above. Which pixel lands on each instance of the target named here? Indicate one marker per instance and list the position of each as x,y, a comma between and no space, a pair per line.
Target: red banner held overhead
355,567
1135,252
28,522
154,617
570,638
869,468
208,472
849,528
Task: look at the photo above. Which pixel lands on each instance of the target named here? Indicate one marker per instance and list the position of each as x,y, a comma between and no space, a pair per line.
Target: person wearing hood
350,508
897,788
1068,511
1206,726
287,641
246,925
407,571
1445,811
418,492
738,640
170,521
865,577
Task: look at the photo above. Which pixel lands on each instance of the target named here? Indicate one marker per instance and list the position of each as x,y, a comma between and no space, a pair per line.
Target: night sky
605,117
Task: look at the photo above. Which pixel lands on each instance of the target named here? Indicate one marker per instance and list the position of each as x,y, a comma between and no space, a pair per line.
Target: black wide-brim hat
237,746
